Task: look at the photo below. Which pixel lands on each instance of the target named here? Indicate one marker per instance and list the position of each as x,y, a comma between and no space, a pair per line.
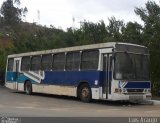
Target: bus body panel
56,81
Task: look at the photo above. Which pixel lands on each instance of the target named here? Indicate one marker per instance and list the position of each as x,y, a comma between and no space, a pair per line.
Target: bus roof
75,48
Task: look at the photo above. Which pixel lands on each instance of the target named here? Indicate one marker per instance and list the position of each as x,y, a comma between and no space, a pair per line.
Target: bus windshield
131,66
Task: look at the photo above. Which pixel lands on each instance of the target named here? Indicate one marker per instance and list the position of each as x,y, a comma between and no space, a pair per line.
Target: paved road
39,105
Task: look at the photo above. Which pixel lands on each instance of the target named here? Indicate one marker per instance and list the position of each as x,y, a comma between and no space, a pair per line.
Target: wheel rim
85,92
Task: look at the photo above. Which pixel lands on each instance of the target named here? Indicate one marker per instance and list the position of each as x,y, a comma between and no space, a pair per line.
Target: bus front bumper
132,97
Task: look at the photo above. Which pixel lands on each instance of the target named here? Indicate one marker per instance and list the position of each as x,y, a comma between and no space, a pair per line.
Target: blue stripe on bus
22,78
138,85
12,77
74,77
68,78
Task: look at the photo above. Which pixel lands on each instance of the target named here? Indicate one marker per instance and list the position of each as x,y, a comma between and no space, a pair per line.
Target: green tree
11,12
114,29
92,32
150,15
132,33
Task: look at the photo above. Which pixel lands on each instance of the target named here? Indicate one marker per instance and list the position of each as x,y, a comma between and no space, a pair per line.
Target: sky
60,13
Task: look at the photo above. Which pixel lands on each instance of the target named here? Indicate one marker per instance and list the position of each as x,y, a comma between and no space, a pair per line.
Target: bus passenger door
16,70
107,69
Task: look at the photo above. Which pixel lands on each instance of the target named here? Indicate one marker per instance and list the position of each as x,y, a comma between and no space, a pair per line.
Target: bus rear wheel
28,88
85,93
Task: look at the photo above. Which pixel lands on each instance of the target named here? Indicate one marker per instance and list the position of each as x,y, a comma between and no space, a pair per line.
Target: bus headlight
116,90
124,90
145,90
149,90
119,90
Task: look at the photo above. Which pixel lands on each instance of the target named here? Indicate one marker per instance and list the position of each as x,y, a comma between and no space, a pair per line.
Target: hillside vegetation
17,36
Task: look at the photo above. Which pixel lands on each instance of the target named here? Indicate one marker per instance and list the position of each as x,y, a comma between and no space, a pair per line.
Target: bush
1,35
156,88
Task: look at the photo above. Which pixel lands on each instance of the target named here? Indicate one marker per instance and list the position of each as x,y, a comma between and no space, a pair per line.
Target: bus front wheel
28,88
85,93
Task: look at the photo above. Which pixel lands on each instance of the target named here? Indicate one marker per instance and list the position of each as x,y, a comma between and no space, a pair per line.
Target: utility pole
38,16
73,24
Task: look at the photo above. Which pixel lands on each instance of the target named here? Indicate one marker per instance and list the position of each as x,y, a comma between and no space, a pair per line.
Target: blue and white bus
106,71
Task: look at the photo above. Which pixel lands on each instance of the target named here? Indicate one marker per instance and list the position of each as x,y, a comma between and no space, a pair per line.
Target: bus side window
25,65
36,63
90,60
73,61
10,64
58,61
47,62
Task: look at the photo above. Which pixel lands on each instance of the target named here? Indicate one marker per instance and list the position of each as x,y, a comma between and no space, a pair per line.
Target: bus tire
28,88
85,94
